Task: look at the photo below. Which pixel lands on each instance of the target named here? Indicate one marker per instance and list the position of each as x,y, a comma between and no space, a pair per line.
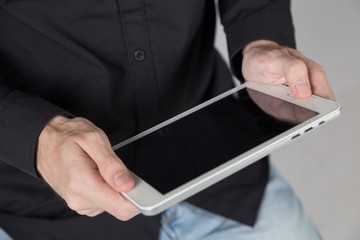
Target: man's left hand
267,62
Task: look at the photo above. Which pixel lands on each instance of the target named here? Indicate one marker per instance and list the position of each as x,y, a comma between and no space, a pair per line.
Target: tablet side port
309,129
297,135
322,122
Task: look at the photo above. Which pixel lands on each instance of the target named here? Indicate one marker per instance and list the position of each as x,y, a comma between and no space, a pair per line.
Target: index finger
111,201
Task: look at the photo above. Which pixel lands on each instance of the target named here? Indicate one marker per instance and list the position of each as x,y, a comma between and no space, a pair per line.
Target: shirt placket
142,74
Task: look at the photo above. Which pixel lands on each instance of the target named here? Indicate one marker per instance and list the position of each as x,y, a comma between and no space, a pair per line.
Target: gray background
323,166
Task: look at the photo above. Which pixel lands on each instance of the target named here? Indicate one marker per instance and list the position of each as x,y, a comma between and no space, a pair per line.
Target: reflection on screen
209,137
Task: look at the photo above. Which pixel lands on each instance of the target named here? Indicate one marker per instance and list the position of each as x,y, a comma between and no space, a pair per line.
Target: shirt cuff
270,23
22,118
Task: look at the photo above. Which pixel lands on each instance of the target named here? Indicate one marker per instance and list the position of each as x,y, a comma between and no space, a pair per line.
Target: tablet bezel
151,202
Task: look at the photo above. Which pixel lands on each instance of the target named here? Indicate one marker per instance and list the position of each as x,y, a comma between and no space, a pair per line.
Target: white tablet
195,149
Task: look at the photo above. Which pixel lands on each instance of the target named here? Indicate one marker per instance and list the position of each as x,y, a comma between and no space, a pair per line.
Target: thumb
298,73
122,181
110,166
297,77
114,171
117,176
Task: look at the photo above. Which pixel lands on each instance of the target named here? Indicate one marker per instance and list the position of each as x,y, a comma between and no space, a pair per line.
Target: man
71,68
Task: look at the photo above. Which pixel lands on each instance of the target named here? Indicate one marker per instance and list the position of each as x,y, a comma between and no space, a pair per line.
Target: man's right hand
76,159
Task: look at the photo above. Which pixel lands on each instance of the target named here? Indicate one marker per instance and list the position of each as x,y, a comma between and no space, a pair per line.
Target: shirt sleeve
246,21
22,117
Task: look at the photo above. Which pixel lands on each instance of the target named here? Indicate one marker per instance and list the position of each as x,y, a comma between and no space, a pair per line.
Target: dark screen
195,144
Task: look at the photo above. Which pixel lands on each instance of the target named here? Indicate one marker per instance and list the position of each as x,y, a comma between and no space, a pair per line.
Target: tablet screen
196,143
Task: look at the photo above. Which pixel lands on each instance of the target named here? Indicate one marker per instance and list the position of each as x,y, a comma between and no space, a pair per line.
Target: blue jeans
3,235
281,217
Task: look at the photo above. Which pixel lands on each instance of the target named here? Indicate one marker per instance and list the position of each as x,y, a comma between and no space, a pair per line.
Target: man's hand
267,62
75,158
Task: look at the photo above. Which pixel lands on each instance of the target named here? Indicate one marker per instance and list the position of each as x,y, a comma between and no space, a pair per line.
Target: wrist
47,133
53,125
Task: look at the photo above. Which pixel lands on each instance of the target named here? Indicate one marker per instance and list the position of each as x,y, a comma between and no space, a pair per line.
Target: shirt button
139,55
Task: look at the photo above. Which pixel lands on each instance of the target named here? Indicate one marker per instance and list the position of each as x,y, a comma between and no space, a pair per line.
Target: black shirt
125,65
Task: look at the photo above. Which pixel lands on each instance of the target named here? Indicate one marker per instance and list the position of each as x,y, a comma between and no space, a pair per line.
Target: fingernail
122,179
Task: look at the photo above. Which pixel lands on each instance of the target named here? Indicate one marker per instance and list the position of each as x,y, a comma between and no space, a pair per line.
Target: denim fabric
281,217
3,235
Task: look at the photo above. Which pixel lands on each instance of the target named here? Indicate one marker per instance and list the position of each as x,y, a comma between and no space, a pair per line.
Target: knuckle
84,212
317,67
126,212
85,136
75,204
125,215
88,135
266,58
296,65
80,129
90,212
110,161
